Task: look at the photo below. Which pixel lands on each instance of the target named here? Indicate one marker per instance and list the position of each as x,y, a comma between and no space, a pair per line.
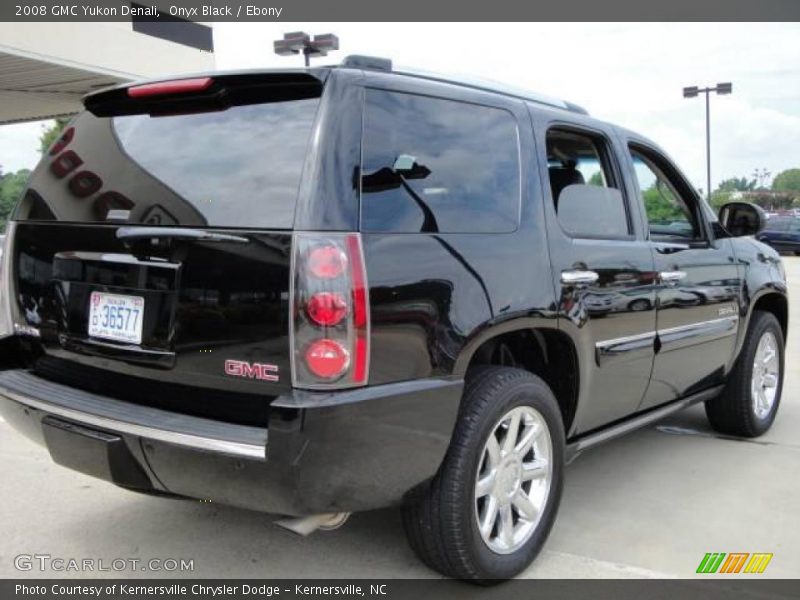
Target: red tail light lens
330,311
327,358
326,262
326,308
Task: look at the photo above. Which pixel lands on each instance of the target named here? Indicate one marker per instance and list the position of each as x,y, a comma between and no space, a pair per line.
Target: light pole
692,92
299,42
761,175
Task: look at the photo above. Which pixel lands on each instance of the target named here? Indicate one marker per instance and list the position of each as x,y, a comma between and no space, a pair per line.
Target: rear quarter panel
435,296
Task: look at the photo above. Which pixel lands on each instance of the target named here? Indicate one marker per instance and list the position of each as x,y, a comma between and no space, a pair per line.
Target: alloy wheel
513,479
766,375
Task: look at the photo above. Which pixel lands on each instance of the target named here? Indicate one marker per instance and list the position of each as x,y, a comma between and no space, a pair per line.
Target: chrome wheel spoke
525,507
492,452
534,470
762,400
485,485
528,438
770,380
769,356
487,521
512,433
506,532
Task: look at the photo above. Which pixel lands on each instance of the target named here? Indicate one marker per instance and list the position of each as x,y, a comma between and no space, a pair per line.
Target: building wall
111,48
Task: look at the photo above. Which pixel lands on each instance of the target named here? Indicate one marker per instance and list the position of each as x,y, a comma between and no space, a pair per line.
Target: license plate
116,317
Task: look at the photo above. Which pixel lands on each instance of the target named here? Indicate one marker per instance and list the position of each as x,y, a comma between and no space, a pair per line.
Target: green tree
11,186
787,181
770,200
596,179
659,206
50,134
736,184
719,197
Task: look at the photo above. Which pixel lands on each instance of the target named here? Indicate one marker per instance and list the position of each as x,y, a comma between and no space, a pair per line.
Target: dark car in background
327,290
782,233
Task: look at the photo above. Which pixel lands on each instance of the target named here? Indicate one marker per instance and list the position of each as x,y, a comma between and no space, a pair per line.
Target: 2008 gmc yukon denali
336,289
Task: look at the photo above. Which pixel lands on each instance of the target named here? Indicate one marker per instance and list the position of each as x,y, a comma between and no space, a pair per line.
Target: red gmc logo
241,368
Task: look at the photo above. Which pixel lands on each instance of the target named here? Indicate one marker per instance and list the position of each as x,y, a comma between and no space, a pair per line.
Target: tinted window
438,165
669,214
238,167
583,187
778,224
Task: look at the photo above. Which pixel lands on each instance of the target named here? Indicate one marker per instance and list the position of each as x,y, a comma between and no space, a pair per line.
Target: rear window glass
240,167
434,165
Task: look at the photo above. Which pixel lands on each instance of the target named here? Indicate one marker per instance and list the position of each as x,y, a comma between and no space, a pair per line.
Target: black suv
336,289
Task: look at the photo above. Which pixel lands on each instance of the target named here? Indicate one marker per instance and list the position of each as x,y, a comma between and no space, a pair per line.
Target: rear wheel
490,507
749,403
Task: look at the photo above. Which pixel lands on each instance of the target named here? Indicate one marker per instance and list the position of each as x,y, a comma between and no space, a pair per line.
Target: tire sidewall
527,392
764,323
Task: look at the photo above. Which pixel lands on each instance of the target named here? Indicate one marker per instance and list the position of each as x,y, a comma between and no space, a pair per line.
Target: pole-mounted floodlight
299,42
690,92
693,92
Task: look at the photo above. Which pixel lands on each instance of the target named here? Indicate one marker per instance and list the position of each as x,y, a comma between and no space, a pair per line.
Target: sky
631,74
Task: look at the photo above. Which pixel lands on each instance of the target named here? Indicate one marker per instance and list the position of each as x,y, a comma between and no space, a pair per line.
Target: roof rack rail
358,61
374,63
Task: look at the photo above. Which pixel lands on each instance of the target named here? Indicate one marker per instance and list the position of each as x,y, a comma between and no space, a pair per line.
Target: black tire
797,252
732,412
441,523
639,305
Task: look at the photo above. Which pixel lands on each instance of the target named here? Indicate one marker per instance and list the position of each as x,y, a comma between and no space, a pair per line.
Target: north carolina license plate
116,317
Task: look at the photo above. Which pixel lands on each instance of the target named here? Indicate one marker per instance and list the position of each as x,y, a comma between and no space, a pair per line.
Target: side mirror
588,211
742,218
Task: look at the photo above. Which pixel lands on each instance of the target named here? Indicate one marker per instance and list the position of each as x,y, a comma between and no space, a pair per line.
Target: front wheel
749,402
489,509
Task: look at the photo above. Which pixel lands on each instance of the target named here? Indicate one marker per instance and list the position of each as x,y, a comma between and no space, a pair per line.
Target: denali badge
241,368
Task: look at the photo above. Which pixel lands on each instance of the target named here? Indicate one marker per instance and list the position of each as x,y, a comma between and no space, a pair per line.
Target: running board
594,438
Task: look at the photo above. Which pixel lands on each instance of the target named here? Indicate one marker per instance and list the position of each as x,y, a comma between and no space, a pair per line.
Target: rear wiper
176,233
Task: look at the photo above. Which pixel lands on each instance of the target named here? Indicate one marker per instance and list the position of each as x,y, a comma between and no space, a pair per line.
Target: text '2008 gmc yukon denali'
337,289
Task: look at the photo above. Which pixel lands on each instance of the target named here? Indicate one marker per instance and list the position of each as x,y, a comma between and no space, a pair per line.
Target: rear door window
583,185
434,165
239,167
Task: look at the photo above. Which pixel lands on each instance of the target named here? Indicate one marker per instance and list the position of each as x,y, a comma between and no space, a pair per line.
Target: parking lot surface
650,504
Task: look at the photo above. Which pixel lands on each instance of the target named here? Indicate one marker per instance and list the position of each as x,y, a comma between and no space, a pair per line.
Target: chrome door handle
578,277
669,277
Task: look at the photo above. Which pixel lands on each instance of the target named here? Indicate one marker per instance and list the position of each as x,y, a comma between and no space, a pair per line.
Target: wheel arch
771,300
537,347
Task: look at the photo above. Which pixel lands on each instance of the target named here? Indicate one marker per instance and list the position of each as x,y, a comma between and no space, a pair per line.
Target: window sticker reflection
235,168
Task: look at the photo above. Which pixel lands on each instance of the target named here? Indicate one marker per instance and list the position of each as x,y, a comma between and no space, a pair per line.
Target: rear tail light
327,308
330,311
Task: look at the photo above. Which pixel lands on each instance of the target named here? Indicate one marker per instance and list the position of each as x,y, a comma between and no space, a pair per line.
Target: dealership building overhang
46,68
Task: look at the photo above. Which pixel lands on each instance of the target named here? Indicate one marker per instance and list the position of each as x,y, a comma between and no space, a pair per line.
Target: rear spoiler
205,93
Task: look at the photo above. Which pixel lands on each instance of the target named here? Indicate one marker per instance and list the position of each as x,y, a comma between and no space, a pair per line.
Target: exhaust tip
307,525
